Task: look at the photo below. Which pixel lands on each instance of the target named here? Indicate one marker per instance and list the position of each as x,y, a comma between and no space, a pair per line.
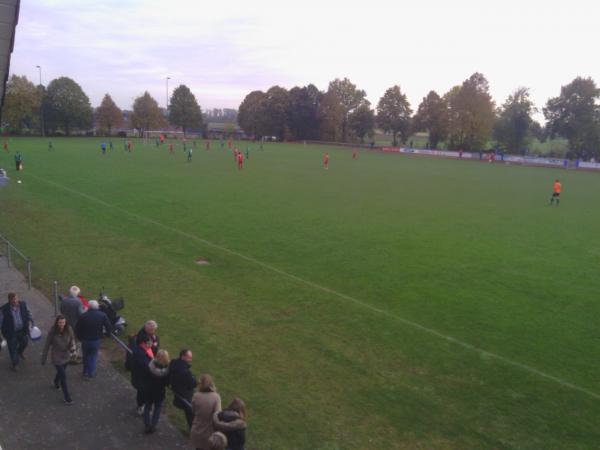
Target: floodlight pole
167,80
41,102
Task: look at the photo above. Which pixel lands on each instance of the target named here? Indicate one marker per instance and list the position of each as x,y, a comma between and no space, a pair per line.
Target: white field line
415,325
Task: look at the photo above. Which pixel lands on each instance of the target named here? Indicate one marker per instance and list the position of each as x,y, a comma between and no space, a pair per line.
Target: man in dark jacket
15,322
183,383
90,327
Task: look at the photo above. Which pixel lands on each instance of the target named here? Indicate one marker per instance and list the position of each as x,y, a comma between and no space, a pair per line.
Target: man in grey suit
71,307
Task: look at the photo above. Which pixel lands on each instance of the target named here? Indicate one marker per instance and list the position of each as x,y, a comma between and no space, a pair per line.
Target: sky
224,51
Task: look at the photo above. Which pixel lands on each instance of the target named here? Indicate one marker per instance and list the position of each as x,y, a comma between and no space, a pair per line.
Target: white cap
74,291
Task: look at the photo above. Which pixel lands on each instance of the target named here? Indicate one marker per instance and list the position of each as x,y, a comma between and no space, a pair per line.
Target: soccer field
391,302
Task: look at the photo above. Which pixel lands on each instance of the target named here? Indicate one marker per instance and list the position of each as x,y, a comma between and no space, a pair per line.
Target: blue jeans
61,379
90,356
155,413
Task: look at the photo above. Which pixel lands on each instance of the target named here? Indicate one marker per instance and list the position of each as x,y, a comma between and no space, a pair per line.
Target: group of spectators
211,427
75,337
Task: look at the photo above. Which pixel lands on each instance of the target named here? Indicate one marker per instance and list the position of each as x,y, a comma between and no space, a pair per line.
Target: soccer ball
19,181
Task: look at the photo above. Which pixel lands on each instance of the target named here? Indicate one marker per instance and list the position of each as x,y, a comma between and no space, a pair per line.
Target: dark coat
159,380
155,340
233,427
8,325
181,379
141,378
90,325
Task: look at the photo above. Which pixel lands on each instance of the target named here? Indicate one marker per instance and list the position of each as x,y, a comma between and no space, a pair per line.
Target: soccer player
103,147
189,158
5,146
110,145
240,160
171,147
353,154
555,192
18,161
207,145
247,153
326,161
50,146
129,146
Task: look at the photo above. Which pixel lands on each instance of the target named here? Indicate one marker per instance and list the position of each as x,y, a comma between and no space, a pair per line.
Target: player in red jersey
326,161
129,146
240,160
353,154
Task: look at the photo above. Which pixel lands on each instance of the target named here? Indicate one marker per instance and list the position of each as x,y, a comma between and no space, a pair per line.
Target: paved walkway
32,414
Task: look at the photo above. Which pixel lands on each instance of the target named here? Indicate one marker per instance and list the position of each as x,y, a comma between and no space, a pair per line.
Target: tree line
63,107
464,118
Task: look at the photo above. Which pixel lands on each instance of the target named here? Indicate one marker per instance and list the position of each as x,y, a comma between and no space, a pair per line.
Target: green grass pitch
347,307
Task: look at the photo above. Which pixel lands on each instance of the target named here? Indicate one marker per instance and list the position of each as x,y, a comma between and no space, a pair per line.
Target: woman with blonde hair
159,380
232,422
61,339
205,403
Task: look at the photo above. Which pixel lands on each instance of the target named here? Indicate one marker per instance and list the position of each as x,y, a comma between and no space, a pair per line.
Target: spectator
149,330
183,383
89,329
71,307
140,370
205,403
217,441
159,379
15,323
232,422
62,340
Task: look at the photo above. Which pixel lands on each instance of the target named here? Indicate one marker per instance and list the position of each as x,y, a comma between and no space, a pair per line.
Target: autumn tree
250,114
471,113
394,114
303,110
184,110
511,130
21,103
67,106
331,117
432,116
146,114
274,110
575,115
349,97
109,115
362,121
